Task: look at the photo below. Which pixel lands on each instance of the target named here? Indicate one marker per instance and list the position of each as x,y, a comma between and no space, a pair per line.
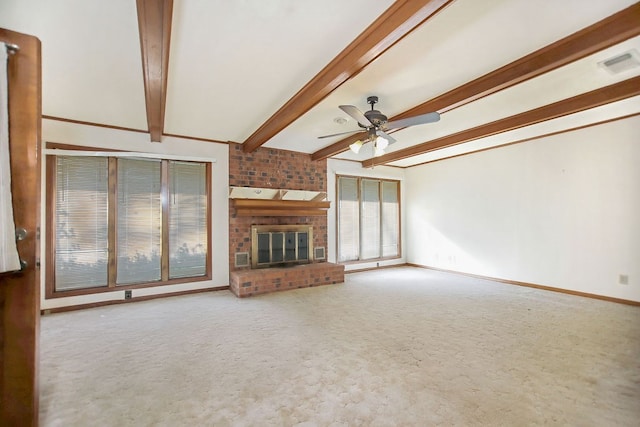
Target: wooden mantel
278,202
270,207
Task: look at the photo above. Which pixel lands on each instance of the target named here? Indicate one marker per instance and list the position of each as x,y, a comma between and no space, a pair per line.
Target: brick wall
271,168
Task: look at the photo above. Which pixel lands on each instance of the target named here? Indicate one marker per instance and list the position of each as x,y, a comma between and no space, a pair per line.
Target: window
368,219
118,221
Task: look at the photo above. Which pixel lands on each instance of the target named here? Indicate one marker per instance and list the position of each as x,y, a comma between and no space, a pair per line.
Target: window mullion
360,220
164,188
112,219
381,220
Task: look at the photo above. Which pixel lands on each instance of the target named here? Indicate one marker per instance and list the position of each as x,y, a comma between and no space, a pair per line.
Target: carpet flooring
393,347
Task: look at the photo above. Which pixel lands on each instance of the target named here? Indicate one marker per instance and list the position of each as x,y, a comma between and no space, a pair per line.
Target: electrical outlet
127,294
623,279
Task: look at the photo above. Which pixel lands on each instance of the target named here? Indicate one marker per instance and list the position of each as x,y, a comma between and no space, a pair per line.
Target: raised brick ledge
246,283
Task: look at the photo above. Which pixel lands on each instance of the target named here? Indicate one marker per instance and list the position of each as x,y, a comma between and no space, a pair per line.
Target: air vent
318,253
242,259
623,62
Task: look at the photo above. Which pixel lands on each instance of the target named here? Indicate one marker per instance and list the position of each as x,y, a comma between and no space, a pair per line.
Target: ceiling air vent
622,62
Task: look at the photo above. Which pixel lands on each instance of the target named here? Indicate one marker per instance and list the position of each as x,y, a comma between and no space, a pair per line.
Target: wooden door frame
20,292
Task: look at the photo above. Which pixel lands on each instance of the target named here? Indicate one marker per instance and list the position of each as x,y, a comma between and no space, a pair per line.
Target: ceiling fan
375,124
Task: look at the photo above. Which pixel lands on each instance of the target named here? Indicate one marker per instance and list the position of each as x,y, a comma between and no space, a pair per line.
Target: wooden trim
112,221
194,138
57,146
371,260
125,129
80,122
321,196
533,285
209,259
20,292
116,287
400,251
154,24
533,138
50,215
280,212
616,28
274,207
400,19
337,220
602,96
126,301
360,270
278,204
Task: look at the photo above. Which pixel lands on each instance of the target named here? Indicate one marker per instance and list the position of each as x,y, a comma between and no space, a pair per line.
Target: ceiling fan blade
341,133
411,121
386,136
356,114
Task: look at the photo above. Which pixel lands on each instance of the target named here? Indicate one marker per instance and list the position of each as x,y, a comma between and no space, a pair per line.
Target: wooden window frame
112,286
359,187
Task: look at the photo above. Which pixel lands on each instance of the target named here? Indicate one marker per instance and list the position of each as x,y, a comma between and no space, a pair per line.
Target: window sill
118,288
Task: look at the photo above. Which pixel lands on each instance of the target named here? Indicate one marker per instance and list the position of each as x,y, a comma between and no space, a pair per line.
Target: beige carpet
395,347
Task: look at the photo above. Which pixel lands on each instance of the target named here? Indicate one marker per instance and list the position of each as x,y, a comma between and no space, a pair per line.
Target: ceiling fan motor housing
376,117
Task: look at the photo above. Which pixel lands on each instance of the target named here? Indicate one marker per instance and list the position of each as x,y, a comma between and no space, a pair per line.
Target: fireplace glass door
281,247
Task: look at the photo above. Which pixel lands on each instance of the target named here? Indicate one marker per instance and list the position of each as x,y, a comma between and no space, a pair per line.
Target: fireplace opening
280,245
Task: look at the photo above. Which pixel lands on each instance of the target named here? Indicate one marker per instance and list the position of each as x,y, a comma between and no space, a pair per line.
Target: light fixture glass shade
382,143
355,147
377,151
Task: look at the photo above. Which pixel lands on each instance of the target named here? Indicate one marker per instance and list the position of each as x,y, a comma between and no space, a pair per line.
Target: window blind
139,221
187,219
81,218
370,214
390,219
368,218
348,219
153,211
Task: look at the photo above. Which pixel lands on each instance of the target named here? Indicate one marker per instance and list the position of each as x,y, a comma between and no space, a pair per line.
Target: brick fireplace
284,170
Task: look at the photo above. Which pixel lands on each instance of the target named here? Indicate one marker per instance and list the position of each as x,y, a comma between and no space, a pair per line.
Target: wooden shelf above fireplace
267,207
278,202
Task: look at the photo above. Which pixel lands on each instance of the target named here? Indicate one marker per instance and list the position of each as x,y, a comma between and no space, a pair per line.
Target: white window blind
139,221
390,219
368,219
187,219
81,219
152,211
348,219
370,214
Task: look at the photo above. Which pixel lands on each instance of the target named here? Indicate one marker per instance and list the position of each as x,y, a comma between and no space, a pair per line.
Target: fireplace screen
280,245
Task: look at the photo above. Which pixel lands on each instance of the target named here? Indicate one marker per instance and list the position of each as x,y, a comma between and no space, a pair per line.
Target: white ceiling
233,64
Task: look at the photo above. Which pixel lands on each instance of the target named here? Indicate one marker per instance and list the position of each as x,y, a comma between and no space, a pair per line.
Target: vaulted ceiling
273,73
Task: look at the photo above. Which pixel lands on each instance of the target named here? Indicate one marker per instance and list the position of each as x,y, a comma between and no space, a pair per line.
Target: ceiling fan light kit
376,124
378,150
355,147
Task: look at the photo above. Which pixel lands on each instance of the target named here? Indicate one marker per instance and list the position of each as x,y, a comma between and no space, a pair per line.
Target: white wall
345,167
93,136
561,211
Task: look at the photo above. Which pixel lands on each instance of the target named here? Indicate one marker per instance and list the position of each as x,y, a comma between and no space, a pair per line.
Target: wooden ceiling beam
605,95
154,25
612,30
397,21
